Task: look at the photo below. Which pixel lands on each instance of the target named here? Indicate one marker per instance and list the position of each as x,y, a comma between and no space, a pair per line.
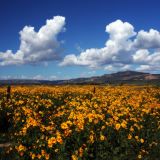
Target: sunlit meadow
81,122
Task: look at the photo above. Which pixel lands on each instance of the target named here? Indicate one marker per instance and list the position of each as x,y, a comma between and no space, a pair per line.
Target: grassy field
80,123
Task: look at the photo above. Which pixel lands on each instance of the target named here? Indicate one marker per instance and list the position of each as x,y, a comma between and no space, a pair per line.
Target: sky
59,39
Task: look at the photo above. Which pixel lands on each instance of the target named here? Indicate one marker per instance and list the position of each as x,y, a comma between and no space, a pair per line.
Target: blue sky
92,37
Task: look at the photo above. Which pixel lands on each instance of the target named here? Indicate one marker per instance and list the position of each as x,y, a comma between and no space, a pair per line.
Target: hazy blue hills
126,77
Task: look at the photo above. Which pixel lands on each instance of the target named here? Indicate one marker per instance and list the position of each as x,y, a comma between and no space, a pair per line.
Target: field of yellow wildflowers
81,122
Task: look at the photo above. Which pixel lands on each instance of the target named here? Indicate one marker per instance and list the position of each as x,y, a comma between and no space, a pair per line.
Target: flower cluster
73,122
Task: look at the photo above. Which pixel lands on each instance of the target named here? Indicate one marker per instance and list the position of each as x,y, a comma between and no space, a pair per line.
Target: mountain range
125,77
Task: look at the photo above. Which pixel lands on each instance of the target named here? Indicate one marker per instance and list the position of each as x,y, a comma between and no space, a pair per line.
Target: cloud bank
35,47
125,49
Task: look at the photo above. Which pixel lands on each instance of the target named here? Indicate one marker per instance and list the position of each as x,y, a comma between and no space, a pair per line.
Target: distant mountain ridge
126,77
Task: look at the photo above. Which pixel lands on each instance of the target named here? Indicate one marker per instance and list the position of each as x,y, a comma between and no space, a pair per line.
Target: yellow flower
115,118
74,157
39,156
59,139
64,126
33,156
136,137
142,140
139,156
117,126
90,119
95,121
43,152
51,141
102,137
21,148
131,129
129,136
47,156
103,127
91,137
124,124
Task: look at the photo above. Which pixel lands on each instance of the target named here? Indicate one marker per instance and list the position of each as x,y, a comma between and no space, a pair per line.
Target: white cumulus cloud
150,39
124,49
35,46
118,42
